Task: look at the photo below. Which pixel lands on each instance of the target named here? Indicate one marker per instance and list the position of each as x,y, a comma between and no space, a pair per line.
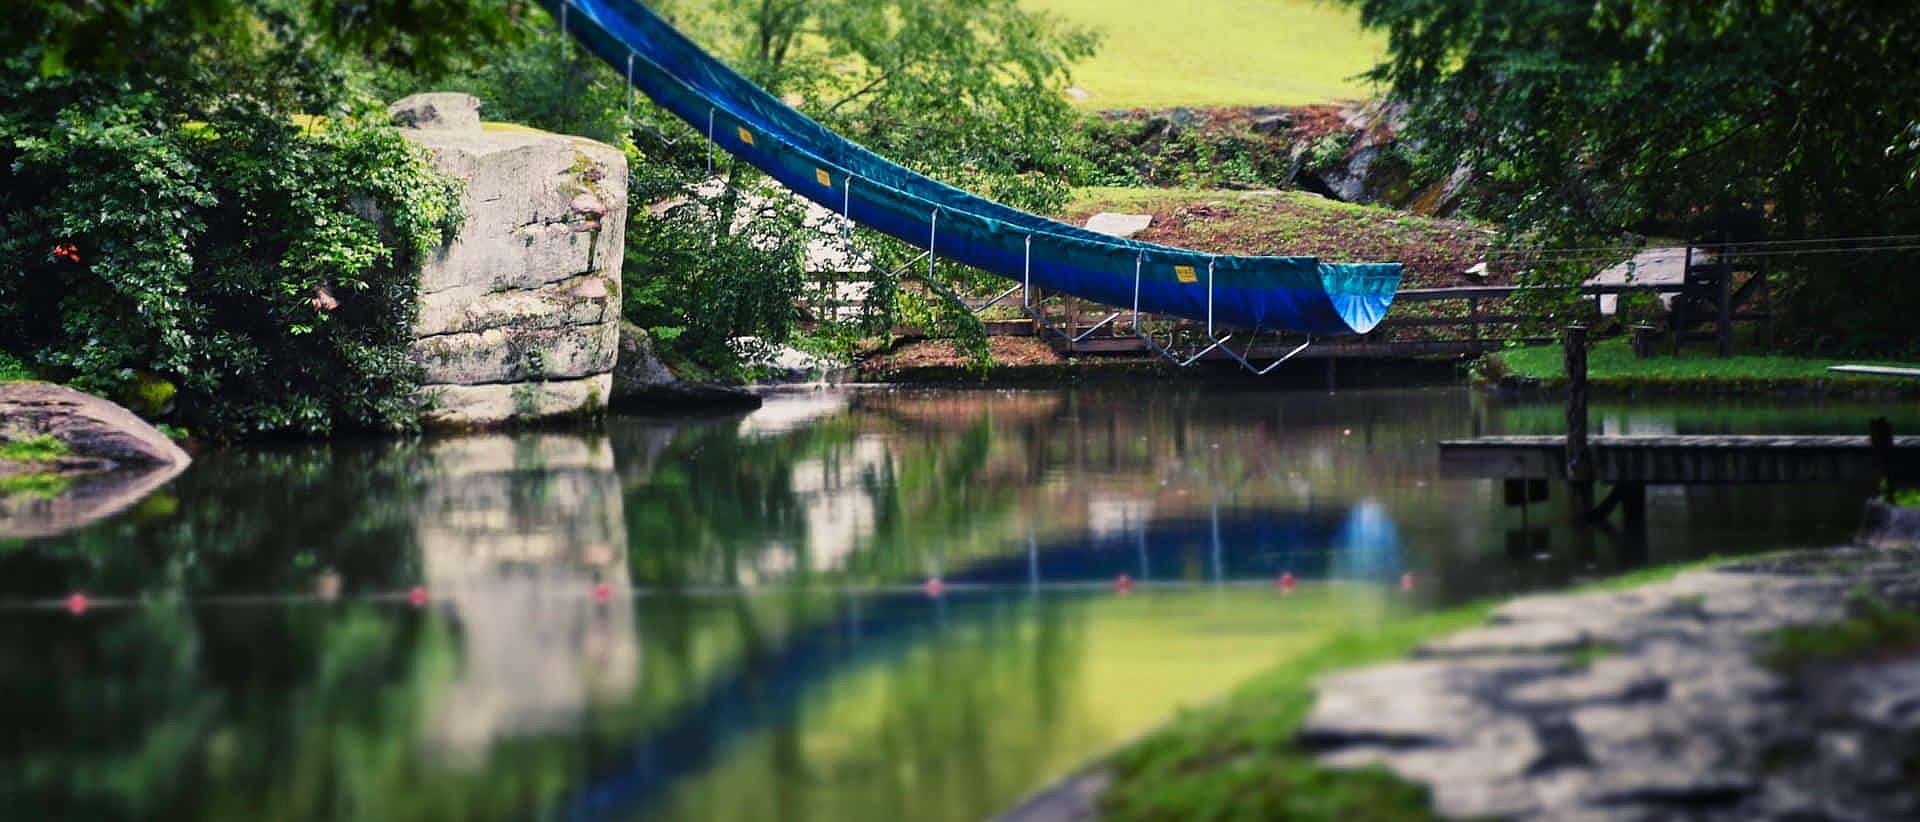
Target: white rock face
520,314
1119,225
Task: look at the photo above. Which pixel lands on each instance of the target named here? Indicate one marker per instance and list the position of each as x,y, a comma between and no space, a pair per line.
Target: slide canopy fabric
1298,294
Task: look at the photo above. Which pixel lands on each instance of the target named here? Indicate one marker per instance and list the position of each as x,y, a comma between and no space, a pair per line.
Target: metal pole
846,220
629,92
1026,275
1210,298
710,112
933,234
1138,260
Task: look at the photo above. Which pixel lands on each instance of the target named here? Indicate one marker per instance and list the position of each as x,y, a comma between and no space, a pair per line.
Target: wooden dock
1670,460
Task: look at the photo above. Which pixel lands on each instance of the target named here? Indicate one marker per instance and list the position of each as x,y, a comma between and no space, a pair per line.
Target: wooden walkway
1667,460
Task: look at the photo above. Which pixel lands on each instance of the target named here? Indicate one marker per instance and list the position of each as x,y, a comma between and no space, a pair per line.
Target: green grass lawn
1220,52
1611,363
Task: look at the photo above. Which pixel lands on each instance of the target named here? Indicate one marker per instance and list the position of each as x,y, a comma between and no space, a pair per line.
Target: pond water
729,618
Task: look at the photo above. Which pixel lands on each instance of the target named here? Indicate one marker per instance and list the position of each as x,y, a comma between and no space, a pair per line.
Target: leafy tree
169,216
1584,120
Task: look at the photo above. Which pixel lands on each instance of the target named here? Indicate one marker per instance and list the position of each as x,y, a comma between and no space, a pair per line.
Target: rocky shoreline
1651,702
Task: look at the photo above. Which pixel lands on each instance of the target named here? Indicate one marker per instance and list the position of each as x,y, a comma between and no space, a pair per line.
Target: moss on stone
40,449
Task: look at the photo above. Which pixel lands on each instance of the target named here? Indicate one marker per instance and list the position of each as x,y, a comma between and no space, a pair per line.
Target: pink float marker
602,592
1123,584
77,603
934,587
417,597
1406,581
1285,583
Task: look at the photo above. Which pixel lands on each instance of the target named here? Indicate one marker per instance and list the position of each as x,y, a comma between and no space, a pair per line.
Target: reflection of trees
252,522
843,498
336,710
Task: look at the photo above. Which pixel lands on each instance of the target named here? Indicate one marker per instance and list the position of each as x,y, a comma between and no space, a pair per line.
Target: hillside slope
1220,52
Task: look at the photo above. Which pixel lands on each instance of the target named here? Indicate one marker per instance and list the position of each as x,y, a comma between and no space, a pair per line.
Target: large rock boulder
519,315
112,459
89,427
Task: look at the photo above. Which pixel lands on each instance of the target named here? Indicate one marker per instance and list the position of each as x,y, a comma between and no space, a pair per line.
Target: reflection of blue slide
1260,293
766,691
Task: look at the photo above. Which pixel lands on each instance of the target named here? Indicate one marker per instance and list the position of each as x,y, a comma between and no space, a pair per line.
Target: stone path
1647,703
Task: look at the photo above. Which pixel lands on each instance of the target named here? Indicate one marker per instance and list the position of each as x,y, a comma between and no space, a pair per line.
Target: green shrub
701,272
264,269
1212,152
12,369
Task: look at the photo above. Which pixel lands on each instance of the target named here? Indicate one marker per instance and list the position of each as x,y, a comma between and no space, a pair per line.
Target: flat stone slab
1646,704
1119,225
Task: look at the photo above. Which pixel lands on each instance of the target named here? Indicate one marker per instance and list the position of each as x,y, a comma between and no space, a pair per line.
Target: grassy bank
1237,760
1434,251
1220,52
1612,365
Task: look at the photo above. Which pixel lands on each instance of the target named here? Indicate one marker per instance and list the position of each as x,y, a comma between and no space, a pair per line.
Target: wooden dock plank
1683,459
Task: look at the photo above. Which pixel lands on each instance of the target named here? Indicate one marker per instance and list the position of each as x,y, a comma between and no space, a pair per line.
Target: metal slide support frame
1026,301
997,298
1261,372
1139,263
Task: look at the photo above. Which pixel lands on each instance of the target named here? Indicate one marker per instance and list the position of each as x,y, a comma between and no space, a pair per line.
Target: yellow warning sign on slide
824,178
1185,274
746,136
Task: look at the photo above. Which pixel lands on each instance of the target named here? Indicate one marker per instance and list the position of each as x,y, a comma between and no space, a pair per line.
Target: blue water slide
1298,294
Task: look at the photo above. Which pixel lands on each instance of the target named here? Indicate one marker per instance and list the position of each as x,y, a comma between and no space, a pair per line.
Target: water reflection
723,618
523,544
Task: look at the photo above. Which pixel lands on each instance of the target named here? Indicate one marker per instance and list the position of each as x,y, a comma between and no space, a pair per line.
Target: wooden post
1765,304
1723,312
1579,461
1880,435
1686,276
1473,320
